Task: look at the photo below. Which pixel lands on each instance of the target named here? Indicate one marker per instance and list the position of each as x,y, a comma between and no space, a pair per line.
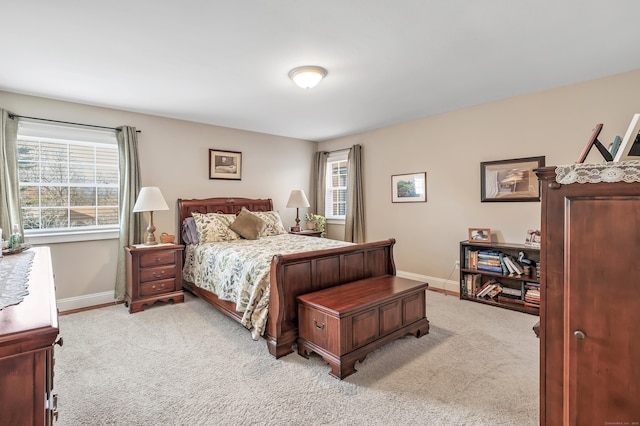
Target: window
336,183
68,179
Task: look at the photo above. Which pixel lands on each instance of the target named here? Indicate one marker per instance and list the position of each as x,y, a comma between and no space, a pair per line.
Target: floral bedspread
238,271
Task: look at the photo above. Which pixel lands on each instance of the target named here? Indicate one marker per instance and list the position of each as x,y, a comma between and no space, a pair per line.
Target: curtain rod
338,150
12,116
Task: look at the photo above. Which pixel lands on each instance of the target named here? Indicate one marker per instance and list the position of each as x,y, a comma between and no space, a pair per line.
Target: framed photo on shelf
409,188
533,238
225,164
630,147
510,180
480,235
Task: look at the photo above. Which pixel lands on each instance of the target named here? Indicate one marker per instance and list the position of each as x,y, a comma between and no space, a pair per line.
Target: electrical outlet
458,264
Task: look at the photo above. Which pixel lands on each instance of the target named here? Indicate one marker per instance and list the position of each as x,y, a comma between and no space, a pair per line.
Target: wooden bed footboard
301,273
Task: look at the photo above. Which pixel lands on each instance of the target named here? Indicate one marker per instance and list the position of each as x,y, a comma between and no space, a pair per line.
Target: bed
291,275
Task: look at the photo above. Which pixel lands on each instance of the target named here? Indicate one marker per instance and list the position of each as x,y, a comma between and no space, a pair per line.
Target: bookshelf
498,274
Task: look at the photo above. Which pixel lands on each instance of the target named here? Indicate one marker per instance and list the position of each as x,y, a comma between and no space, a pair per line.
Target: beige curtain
354,221
319,182
10,213
130,223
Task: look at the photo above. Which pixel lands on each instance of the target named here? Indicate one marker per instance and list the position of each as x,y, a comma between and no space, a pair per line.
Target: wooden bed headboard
225,205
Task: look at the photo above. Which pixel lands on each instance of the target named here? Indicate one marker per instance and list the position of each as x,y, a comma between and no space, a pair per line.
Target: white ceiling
225,62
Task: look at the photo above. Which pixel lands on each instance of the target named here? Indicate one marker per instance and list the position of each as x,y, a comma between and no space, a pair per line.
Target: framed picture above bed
225,164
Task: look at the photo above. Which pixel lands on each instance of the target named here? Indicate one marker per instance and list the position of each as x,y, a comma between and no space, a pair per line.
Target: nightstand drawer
154,287
157,273
164,257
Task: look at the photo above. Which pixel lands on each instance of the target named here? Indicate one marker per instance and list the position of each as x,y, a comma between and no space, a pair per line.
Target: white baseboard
434,282
95,299
79,302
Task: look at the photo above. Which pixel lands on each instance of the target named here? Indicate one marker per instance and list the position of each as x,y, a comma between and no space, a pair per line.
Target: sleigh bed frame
293,274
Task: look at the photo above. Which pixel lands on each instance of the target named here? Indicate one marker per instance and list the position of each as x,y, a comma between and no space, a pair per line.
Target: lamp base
151,238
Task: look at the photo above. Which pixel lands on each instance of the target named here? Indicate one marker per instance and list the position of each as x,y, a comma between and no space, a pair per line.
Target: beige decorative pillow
214,227
273,224
248,225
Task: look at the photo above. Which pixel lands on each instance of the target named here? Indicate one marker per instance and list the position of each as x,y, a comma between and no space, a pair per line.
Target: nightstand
154,273
307,232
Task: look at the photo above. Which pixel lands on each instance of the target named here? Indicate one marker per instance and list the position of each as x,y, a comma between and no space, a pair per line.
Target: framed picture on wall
225,164
510,180
409,188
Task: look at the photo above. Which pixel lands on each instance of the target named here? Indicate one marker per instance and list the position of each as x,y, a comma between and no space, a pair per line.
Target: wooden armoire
590,295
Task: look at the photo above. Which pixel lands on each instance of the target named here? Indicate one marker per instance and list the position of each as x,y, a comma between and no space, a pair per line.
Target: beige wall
173,156
449,147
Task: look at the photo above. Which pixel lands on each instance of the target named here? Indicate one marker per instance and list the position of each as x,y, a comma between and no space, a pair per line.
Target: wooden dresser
28,332
590,303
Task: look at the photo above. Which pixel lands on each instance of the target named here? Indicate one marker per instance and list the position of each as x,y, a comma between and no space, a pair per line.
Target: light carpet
187,364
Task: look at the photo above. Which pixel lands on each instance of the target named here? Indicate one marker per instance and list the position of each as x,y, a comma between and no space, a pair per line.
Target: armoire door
601,383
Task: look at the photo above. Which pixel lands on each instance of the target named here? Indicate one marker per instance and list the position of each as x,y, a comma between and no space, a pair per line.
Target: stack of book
532,294
489,260
490,289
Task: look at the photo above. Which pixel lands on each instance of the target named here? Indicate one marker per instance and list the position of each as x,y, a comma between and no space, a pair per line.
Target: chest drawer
164,257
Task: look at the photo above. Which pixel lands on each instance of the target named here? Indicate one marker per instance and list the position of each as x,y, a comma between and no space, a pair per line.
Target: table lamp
297,199
150,199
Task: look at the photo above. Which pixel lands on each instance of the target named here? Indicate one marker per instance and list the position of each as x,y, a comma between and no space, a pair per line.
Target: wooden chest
345,323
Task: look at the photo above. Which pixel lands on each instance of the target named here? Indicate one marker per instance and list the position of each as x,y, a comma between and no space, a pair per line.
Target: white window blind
336,185
68,178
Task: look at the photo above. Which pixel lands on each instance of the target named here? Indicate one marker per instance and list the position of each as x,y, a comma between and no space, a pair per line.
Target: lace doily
14,277
624,171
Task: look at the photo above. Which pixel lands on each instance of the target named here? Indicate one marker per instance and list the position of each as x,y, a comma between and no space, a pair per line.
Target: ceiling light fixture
307,76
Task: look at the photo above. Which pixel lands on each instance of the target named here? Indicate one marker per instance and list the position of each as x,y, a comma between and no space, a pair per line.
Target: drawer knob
319,327
158,288
158,275
59,342
157,259
579,335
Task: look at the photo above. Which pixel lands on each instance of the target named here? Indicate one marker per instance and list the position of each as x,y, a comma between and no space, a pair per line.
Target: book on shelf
471,284
515,292
504,298
496,290
514,267
485,287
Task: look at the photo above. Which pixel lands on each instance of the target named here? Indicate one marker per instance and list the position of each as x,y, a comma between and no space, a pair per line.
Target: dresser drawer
157,273
155,287
164,257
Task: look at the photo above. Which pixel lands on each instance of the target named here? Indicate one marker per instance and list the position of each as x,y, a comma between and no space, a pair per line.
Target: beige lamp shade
297,199
150,199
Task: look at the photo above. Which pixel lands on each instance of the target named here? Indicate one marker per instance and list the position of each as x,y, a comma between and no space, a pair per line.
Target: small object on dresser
15,240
